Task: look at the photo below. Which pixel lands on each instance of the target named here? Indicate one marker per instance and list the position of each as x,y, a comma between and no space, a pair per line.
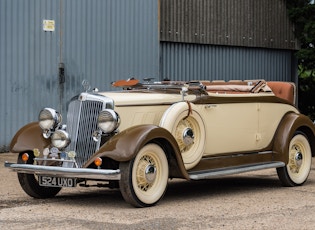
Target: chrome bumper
84,173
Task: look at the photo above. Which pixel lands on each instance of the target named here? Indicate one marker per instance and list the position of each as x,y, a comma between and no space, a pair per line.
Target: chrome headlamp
49,119
108,120
60,139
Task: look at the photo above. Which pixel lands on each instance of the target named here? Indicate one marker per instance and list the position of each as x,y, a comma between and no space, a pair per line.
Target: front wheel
144,178
30,185
300,160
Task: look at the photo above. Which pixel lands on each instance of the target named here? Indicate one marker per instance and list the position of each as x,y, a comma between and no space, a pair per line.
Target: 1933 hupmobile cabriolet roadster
139,136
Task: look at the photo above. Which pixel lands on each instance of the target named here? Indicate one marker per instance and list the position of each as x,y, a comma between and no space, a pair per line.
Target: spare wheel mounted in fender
187,127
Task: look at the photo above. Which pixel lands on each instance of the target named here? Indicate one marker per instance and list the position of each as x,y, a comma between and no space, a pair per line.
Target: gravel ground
245,201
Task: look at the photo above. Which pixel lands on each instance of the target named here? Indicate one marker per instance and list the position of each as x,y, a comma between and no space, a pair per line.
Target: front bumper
84,173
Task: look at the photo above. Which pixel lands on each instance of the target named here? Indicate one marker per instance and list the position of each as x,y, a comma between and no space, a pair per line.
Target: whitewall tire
144,179
188,130
299,163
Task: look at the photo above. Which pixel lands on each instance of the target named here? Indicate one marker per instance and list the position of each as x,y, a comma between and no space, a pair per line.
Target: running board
207,174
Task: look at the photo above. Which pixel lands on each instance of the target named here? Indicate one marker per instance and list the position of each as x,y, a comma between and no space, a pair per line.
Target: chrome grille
81,123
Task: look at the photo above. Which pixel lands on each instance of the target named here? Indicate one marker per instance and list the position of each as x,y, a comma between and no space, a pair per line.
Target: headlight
49,119
60,139
108,120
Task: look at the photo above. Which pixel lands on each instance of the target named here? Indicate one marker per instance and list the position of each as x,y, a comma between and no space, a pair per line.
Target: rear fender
29,137
291,123
125,145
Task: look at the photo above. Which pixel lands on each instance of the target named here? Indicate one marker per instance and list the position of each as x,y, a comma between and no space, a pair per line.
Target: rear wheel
300,159
30,185
144,178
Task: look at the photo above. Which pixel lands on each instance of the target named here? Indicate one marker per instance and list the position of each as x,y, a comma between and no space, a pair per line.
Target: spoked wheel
144,178
30,185
299,164
188,130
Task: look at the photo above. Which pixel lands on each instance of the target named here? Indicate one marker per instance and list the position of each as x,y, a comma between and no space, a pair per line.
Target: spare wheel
187,126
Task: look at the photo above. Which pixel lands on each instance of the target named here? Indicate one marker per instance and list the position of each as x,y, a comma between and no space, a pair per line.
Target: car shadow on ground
179,190
225,185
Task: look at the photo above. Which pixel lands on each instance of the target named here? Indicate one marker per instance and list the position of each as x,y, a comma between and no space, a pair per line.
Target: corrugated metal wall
226,39
28,63
255,23
99,40
180,61
106,40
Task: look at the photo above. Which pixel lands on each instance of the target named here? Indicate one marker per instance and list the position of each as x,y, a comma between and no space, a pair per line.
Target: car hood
145,98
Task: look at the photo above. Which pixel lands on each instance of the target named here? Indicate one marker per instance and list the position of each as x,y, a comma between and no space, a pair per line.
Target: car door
230,127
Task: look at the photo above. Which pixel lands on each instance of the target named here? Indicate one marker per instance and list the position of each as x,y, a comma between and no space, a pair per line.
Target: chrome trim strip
206,174
85,173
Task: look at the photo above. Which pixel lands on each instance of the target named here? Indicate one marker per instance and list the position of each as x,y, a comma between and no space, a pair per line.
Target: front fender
291,123
125,145
27,138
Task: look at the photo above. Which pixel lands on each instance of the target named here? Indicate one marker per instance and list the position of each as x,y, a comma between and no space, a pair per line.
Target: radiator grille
81,123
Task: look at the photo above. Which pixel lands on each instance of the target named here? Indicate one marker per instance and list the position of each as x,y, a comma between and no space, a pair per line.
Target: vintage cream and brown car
138,137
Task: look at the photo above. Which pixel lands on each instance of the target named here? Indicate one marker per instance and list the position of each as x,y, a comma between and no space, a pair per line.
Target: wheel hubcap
146,173
150,173
188,136
298,159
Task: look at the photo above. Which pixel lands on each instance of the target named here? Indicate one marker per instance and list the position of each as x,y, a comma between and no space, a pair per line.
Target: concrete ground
245,201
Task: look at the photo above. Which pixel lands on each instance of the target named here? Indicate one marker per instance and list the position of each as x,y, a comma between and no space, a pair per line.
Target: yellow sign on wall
49,25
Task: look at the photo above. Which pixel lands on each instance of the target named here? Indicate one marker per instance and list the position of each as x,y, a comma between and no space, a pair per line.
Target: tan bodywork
233,123
241,127
224,122
168,130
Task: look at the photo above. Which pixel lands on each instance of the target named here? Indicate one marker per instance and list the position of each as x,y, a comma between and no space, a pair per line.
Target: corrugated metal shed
253,23
106,40
99,40
180,61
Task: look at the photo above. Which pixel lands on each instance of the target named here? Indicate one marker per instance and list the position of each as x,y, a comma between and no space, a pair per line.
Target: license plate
50,181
